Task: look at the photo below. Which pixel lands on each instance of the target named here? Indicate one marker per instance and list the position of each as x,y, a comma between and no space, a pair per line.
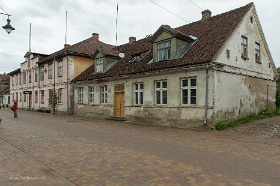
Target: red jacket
15,106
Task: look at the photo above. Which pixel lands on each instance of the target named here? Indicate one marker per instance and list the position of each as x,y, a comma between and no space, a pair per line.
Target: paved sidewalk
18,168
65,150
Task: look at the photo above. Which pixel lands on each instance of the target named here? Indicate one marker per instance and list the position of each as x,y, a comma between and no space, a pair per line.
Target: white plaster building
39,74
218,68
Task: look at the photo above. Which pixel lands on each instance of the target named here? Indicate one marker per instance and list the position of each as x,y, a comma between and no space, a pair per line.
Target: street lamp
8,27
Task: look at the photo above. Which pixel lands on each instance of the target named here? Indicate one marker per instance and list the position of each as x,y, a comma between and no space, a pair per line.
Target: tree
53,100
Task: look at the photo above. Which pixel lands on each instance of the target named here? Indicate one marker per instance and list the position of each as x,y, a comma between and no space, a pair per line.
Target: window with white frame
257,52
29,76
50,92
103,93
24,77
36,75
91,94
42,71
59,69
50,71
80,94
59,93
161,92
164,51
19,76
20,95
42,96
36,96
138,89
244,47
24,97
188,91
99,65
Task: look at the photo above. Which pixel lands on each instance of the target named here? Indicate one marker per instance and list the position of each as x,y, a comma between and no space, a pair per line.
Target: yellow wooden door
119,101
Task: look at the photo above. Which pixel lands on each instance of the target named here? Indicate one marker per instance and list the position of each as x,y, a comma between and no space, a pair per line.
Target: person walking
15,108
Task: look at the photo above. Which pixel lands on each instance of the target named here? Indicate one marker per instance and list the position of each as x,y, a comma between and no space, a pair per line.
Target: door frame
119,89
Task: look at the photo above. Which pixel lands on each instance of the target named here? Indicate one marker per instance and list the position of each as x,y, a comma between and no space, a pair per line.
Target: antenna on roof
66,28
117,24
30,38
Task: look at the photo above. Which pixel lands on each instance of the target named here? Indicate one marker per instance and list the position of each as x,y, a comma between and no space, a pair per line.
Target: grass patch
264,114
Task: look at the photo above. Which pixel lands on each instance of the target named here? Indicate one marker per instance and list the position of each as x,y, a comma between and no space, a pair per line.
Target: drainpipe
67,84
206,95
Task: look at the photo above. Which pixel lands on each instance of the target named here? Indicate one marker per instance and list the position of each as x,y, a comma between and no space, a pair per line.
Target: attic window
138,57
251,19
244,47
99,65
135,58
164,51
257,53
228,53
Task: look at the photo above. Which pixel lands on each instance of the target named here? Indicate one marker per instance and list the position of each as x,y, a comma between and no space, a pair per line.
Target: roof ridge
218,15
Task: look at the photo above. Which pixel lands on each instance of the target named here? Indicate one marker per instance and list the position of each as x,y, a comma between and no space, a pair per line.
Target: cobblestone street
43,149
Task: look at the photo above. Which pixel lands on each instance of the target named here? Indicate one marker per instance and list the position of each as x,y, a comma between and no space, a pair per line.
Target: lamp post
8,27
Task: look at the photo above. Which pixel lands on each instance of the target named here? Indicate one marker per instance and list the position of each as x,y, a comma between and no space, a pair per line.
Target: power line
3,10
195,4
169,11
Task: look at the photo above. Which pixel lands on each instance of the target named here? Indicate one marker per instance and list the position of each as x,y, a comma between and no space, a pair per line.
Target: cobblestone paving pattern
65,150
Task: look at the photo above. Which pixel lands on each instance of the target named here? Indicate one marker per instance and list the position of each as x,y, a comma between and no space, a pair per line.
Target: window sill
245,58
92,104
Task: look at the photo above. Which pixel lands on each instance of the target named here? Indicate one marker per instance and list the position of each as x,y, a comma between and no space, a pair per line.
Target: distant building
4,89
41,73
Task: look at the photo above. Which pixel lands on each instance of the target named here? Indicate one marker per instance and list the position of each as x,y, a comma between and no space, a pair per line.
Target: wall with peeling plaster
172,114
237,96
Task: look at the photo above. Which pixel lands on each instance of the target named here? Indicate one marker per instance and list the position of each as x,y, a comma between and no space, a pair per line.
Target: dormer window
138,57
135,58
164,51
99,65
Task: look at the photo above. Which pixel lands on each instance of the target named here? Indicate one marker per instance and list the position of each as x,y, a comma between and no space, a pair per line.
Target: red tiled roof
4,77
107,50
84,48
212,35
17,71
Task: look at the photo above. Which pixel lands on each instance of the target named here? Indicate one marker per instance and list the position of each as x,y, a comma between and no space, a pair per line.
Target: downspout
54,102
206,95
67,84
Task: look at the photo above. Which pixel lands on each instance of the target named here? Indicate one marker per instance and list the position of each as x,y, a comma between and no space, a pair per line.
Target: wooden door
119,100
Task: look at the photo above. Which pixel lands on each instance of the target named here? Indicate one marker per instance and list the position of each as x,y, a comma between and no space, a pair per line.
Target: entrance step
117,118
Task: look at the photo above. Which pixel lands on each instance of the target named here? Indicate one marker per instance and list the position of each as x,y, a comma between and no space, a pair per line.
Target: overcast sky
135,18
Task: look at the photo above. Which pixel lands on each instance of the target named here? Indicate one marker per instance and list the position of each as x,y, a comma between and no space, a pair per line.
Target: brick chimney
206,14
132,39
95,36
